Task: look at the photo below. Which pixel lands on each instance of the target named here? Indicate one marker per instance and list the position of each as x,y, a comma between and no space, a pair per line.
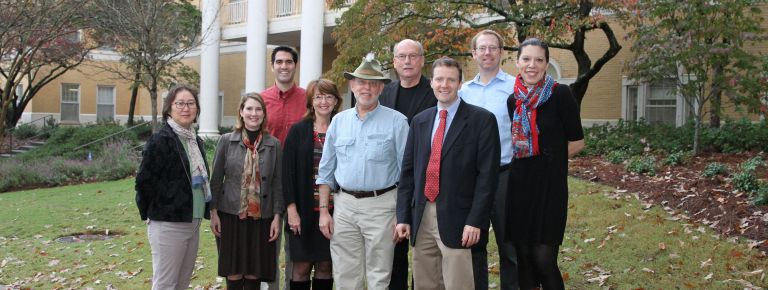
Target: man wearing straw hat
362,156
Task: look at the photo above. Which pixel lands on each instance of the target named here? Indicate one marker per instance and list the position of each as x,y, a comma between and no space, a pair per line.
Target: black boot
251,284
235,284
300,285
322,284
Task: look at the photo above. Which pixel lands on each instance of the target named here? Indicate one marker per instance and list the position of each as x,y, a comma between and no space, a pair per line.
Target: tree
39,41
152,37
446,28
701,46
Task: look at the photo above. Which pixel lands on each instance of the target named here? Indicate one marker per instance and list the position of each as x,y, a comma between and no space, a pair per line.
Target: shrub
64,141
642,164
617,156
745,181
677,158
761,196
752,164
25,131
116,161
714,168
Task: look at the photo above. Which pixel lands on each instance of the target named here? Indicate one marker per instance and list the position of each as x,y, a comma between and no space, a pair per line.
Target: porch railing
236,11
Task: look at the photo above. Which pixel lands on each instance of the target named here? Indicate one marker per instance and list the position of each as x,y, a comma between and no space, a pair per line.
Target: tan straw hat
369,69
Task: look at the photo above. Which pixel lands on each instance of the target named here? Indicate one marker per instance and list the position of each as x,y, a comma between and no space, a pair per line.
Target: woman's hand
215,224
294,221
274,229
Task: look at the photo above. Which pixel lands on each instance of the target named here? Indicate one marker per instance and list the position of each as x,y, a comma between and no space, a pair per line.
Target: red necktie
432,184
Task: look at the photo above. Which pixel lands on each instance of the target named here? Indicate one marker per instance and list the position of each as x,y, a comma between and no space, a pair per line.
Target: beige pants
361,245
436,266
174,250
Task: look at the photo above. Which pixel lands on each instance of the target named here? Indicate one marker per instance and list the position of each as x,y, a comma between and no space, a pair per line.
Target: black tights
538,267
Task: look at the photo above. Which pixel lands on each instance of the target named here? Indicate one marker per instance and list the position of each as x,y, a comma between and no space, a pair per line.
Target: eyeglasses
487,48
319,98
181,105
402,57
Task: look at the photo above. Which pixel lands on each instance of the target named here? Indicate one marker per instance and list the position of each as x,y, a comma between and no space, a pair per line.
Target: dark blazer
298,172
163,186
424,92
469,172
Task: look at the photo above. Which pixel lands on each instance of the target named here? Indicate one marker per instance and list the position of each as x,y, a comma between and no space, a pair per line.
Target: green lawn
613,241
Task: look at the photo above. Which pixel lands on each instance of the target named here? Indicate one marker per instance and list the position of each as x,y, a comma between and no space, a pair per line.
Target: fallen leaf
706,263
662,246
648,270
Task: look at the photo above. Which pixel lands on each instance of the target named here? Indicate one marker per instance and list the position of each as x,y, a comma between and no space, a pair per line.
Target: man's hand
470,237
402,231
326,224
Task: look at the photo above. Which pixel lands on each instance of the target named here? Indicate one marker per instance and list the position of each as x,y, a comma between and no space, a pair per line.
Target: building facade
234,59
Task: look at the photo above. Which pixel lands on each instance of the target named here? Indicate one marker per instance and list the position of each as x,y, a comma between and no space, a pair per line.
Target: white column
312,25
209,70
256,46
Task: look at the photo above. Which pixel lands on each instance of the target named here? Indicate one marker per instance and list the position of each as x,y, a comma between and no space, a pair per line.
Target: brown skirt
244,248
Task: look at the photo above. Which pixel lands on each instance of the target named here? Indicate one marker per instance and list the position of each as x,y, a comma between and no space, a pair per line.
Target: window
656,103
70,103
105,103
284,8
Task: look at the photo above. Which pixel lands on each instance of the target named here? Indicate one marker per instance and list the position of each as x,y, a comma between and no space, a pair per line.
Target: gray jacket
228,171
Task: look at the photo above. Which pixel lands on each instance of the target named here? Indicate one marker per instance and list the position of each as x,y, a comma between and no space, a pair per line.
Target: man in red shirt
286,102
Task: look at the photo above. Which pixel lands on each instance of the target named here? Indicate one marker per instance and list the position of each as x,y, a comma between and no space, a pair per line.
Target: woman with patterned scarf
172,190
247,198
546,131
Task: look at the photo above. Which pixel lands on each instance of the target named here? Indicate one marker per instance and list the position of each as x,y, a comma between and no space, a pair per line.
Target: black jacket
298,171
163,185
424,92
469,172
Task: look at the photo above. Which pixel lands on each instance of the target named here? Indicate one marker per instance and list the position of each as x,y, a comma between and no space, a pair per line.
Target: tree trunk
153,97
132,104
717,104
697,119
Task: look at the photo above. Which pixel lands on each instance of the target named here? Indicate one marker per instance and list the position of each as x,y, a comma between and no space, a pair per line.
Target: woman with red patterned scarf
247,201
546,131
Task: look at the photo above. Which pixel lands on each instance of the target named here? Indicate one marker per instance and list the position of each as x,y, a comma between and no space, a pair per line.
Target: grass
613,241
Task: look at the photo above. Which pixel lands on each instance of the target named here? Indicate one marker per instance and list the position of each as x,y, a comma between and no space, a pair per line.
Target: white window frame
61,98
643,90
114,100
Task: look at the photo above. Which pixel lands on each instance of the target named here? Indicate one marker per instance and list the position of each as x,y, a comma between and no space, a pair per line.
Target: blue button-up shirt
493,97
364,154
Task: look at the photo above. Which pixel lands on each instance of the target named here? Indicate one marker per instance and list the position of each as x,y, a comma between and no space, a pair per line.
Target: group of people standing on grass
430,162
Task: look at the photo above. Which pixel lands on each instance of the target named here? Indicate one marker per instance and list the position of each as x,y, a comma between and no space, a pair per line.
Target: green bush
677,158
25,131
642,165
116,161
617,156
637,137
745,181
65,139
713,169
752,164
761,196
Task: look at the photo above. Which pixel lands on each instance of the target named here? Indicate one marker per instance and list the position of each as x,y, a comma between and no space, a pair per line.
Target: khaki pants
436,266
174,250
361,245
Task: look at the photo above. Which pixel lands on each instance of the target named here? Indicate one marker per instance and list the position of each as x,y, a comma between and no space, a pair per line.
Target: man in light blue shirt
362,156
490,89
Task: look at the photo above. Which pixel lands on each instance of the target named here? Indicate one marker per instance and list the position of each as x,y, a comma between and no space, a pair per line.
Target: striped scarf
525,132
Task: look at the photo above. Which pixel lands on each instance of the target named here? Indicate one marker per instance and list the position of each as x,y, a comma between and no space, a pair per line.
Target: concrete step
23,149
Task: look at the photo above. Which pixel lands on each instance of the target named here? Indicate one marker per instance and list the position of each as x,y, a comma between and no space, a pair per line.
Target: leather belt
504,167
365,194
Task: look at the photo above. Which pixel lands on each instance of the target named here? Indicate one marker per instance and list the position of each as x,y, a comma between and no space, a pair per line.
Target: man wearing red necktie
449,177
